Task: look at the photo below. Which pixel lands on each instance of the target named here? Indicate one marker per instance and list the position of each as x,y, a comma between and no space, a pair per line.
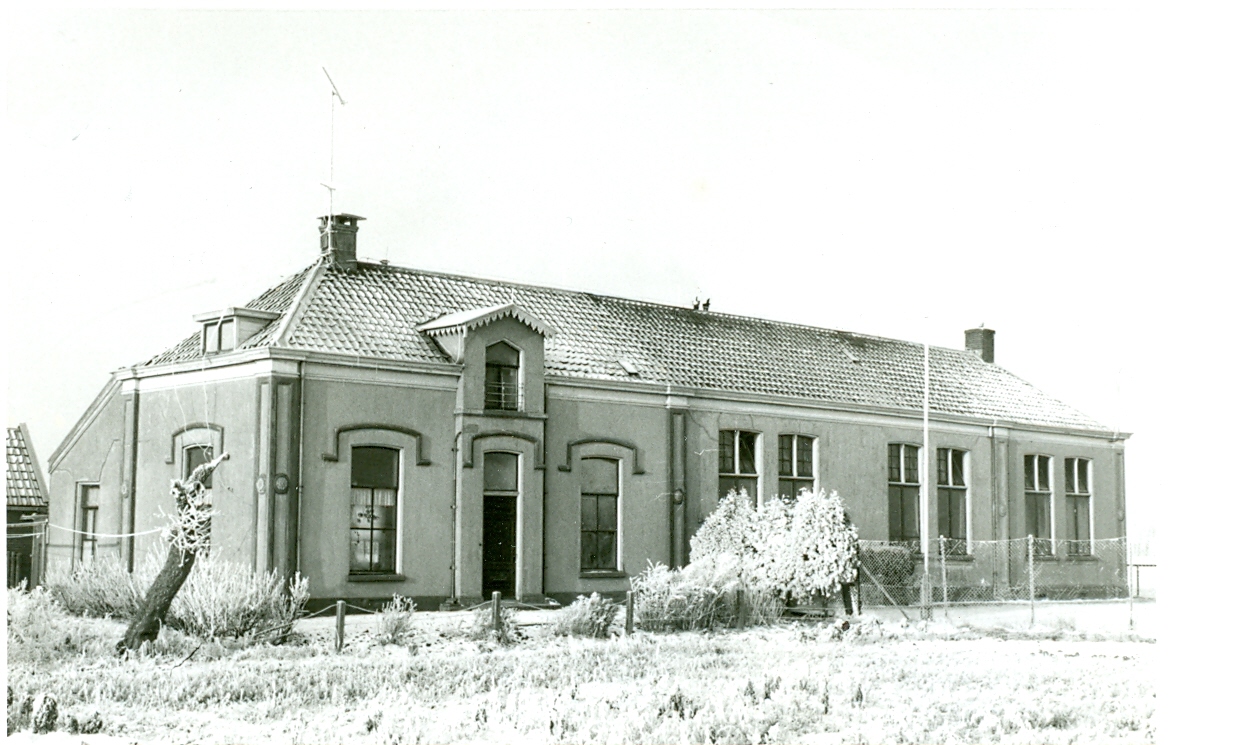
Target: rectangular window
795,470
211,337
952,499
228,335
373,510
88,542
904,493
501,377
737,469
195,456
1039,497
599,514
1078,506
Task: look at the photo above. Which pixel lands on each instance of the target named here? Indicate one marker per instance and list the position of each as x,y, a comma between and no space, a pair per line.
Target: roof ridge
647,303
297,304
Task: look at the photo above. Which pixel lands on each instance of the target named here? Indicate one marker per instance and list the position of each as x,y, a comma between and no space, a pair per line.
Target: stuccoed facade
399,431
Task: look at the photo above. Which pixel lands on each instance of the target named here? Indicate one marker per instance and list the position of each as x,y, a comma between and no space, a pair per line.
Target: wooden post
340,624
739,599
496,612
1130,600
629,612
1031,576
945,585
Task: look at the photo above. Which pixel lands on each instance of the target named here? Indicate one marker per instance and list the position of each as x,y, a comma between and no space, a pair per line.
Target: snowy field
983,675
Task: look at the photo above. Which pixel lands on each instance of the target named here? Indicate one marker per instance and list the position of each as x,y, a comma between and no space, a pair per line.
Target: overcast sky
906,174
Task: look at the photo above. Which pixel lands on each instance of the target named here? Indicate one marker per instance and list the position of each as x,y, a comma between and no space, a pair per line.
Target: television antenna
332,117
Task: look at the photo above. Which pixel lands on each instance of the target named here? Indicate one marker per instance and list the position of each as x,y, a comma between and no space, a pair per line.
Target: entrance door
500,523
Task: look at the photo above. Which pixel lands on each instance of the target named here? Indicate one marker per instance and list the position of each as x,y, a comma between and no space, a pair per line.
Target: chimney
338,239
980,341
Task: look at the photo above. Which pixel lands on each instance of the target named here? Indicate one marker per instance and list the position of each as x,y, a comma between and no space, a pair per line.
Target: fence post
1130,598
496,611
945,585
629,612
340,624
1031,576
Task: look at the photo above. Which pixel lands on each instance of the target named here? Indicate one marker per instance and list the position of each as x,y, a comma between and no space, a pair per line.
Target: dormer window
501,389
224,330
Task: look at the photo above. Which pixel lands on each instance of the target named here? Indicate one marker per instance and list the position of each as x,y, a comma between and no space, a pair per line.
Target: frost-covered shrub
396,620
587,616
482,627
704,594
798,550
103,588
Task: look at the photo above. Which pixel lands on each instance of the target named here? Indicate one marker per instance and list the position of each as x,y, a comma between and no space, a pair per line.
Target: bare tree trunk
190,535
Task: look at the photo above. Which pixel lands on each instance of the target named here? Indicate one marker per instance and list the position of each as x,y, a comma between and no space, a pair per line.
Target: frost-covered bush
587,616
482,627
797,550
396,620
219,599
706,593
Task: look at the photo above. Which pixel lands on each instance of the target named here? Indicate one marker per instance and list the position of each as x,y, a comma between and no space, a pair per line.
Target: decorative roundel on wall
280,484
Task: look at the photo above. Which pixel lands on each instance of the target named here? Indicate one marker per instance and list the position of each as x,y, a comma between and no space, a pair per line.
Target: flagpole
925,488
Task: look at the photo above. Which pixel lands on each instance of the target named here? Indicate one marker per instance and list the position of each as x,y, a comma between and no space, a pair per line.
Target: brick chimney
980,341
338,239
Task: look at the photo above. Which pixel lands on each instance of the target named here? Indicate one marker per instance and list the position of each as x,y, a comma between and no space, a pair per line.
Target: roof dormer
227,329
450,330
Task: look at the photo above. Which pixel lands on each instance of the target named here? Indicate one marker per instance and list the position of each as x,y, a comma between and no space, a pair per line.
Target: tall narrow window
952,499
1078,506
195,456
373,510
904,493
88,542
599,514
1039,497
501,383
737,463
795,469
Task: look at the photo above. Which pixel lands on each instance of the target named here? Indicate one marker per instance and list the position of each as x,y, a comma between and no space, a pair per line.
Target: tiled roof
23,486
376,310
276,299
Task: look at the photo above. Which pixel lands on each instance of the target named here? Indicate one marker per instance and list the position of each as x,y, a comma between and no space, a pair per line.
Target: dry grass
785,683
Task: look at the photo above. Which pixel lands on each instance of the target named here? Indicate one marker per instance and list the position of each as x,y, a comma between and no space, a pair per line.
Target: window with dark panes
195,456
501,377
1078,506
737,463
373,510
599,514
88,517
1039,497
795,469
952,499
904,493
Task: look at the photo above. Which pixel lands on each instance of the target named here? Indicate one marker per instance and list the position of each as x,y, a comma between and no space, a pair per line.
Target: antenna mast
332,116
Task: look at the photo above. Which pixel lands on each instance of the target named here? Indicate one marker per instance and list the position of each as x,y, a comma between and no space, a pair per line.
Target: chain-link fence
962,571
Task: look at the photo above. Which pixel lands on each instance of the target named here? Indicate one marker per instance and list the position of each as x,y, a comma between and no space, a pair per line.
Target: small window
1039,498
600,502
737,469
501,387
1078,506
795,465
373,510
195,456
952,499
211,338
219,336
904,493
88,541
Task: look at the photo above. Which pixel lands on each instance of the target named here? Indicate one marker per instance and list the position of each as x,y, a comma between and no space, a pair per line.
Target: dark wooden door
500,544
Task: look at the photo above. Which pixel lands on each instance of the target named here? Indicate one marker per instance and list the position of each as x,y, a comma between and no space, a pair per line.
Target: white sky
909,174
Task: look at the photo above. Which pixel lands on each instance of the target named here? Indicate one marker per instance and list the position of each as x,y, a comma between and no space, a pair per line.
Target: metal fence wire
1025,568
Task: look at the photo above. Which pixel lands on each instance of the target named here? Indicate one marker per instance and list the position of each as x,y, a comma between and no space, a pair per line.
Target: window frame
214,335
737,474
398,516
1077,473
948,493
489,366
87,523
616,564
1034,495
903,486
797,481
187,469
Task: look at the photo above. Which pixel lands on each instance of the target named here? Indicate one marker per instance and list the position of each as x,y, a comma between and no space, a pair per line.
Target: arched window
501,389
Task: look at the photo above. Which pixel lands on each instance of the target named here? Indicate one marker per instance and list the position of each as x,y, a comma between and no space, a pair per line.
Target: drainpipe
453,507
297,543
